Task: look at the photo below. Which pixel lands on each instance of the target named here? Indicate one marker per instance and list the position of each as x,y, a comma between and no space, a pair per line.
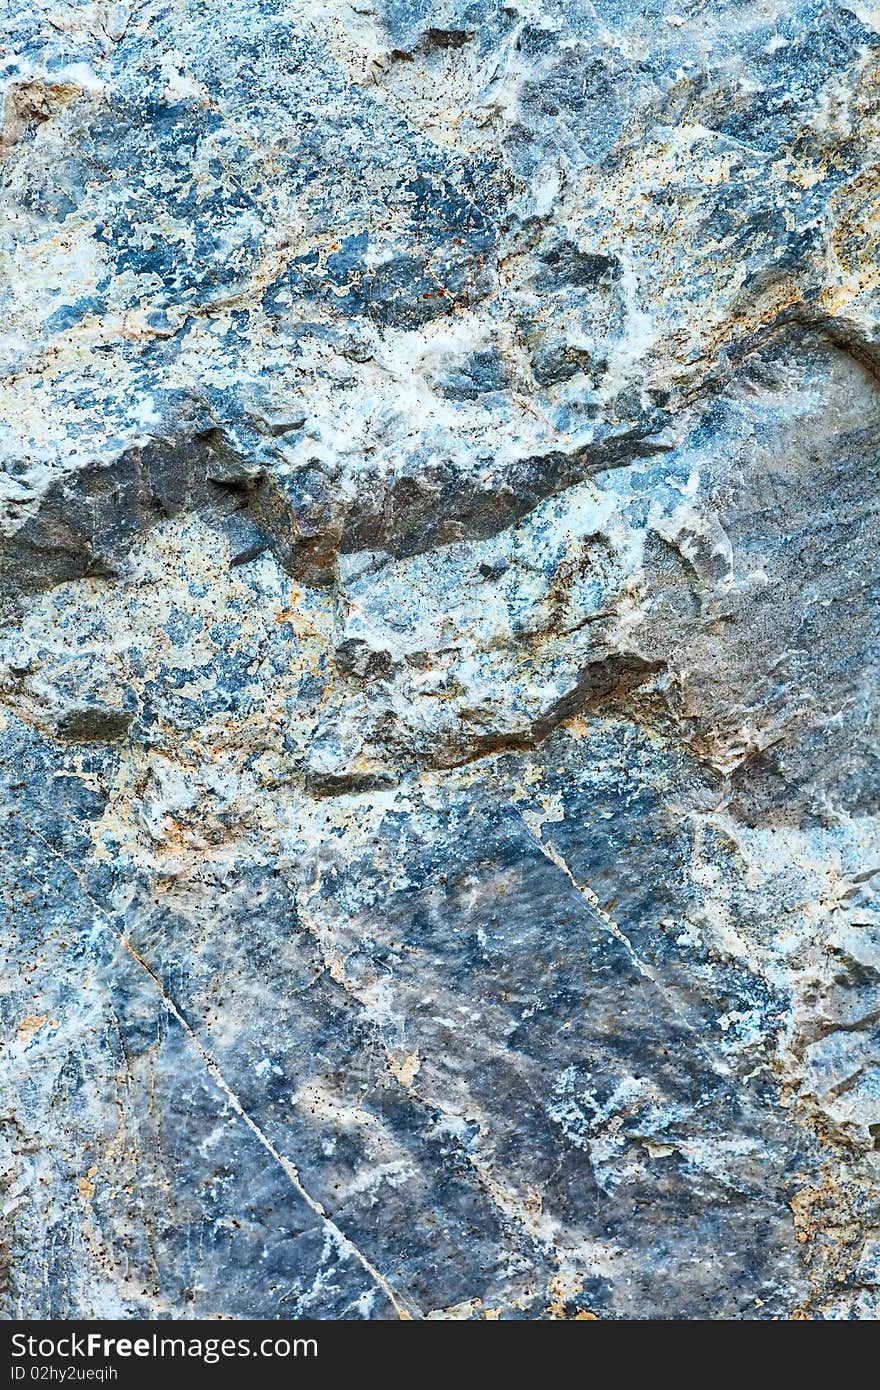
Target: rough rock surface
438,664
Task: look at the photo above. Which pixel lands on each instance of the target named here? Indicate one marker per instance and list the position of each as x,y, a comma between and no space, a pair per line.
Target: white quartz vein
552,853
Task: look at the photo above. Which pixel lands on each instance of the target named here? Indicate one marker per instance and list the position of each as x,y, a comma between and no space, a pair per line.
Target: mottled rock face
438,662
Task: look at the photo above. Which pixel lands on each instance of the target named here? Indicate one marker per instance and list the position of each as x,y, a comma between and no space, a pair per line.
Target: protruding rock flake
439,650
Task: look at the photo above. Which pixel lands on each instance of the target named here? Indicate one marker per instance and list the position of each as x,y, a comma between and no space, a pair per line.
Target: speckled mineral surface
438,658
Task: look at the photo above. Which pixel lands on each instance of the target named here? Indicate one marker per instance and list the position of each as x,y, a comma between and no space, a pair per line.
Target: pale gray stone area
439,569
